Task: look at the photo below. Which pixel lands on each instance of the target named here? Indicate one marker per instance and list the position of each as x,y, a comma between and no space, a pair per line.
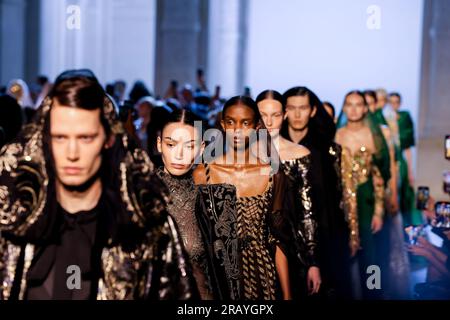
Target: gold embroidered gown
363,198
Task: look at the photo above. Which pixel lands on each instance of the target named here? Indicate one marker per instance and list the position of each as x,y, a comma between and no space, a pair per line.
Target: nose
297,113
73,152
179,153
269,121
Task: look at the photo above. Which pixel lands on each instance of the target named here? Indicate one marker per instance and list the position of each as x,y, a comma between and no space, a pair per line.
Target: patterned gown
259,274
182,209
241,246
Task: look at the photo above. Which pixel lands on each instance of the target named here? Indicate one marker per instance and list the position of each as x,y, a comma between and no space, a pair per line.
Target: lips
72,170
178,166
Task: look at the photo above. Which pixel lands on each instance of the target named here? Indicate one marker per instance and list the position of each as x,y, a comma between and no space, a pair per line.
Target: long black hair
322,125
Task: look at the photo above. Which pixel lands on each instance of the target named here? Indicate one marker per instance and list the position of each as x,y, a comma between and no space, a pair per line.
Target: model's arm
283,273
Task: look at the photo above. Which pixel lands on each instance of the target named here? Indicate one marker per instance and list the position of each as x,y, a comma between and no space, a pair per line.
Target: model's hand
424,242
377,224
314,280
418,250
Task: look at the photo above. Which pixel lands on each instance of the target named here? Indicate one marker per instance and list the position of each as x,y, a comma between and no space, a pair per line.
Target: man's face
238,123
394,101
382,100
354,108
299,112
77,141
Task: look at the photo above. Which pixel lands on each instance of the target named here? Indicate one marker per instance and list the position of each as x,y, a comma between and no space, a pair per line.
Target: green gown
411,216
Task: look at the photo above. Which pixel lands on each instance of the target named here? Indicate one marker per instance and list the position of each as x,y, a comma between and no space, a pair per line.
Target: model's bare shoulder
199,174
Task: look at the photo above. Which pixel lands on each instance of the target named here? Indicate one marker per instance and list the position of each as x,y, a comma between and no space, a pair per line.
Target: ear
222,124
285,116
110,141
313,113
258,125
158,144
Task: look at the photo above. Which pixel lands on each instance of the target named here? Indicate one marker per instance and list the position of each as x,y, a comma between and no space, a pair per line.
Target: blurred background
246,46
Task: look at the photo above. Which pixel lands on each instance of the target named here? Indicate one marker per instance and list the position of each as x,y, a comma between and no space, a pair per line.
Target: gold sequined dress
363,198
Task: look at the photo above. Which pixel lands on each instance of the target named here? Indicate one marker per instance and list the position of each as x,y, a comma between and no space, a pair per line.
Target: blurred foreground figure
81,214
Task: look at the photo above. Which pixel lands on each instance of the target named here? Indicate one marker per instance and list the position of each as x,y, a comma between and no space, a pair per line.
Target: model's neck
76,201
355,125
297,135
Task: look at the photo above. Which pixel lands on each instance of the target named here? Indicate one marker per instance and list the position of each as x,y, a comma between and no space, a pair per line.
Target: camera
446,185
423,195
442,209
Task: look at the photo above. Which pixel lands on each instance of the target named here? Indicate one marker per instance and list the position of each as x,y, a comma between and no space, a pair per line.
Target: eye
278,115
230,122
246,123
87,139
170,144
58,138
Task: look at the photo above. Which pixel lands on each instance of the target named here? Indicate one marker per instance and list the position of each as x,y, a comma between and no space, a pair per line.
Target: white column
226,37
116,39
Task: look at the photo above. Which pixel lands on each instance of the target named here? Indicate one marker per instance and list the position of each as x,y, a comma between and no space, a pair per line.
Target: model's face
382,100
238,122
272,114
371,102
354,108
394,101
180,145
299,112
77,141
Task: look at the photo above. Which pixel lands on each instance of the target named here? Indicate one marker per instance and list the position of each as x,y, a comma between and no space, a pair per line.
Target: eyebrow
91,134
173,140
245,119
299,106
169,139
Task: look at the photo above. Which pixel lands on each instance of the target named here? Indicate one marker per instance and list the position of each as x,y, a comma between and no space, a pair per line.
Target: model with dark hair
180,144
307,123
241,198
296,163
81,207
